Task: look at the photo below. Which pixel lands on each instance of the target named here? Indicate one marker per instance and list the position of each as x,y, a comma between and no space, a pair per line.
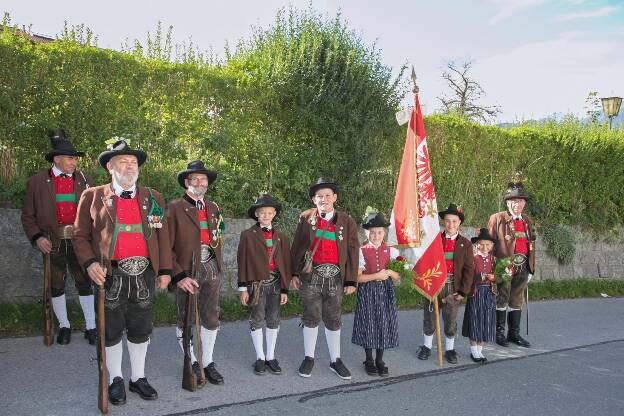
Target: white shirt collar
328,215
515,217
57,172
118,189
373,245
270,227
196,199
449,237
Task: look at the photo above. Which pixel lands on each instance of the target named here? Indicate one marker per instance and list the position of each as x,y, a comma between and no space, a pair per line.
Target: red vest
130,241
268,240
65,199
449,253
521,237
483,264
375,259
327,251
204,233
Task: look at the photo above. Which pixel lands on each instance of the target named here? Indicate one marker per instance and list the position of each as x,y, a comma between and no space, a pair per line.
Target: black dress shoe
117,392
483,360
197,370
305,369
382,370
143,389
64,336
260,367
273,366
370,368
451,356
518,340
424,353
91,336
475,359
212,374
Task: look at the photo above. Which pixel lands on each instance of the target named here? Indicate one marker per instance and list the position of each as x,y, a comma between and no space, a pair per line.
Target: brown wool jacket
348,246
463,264
184,235
253,260
39,209
499,225
94,226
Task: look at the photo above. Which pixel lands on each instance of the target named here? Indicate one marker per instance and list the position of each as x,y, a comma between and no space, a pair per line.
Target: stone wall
21,272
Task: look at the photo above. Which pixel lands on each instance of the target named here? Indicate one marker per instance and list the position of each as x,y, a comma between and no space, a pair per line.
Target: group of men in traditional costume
124,239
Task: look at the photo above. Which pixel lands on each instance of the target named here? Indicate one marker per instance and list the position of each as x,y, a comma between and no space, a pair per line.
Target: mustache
198,190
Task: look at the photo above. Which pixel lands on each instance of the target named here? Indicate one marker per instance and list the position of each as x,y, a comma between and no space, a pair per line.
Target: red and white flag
414,224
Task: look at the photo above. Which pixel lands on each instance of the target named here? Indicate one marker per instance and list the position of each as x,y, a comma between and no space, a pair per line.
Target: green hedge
305,97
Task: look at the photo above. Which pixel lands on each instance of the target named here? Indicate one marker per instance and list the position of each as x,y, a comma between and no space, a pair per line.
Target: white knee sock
113,361
474,349
333,344
503,309
480,351
450,343
181,344
208,342
428,341
88,310
271,340
309,340
137,354
256,338
60,311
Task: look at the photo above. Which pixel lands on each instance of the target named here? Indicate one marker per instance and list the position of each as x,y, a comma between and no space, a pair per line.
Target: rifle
101,350
48,338
199,352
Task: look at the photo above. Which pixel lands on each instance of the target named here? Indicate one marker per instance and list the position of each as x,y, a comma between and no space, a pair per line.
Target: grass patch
18,319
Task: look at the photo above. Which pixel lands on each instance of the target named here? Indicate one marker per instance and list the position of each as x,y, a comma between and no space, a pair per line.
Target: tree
466,93
592,106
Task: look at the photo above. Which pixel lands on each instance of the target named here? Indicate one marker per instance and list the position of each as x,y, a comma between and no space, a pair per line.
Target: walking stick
527,309
101,349
437,329
198,342
188,378
48,338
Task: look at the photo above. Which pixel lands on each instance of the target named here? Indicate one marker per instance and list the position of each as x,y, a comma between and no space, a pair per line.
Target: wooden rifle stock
48,331
101,351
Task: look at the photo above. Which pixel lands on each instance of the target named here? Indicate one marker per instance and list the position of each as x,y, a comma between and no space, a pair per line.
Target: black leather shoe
117,392
273,366
370,368
91,336
340,369
513,334
382,370
451,356
143,389
212,374
259,367
518,340
64,336
476,360
483,360
424,353
305,369
501,339
198,375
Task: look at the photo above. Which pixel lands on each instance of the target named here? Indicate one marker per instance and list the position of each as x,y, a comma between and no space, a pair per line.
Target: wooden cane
48,338
437,330
101,348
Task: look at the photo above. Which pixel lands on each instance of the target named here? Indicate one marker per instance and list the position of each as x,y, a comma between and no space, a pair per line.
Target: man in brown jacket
459,259
48,216
325,254
264,269
121,238
195,226
516,236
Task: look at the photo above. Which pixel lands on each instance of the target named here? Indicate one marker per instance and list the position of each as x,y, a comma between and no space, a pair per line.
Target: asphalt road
576,367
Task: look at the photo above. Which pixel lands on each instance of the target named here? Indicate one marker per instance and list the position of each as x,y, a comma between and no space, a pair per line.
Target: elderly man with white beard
121,238
195,224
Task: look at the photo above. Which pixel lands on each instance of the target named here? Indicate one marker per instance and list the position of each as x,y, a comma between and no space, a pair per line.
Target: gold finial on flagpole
416,89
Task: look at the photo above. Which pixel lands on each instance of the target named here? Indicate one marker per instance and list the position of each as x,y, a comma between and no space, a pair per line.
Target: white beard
198,191
125,181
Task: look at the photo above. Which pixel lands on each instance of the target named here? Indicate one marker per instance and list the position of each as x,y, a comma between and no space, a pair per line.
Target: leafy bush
560,242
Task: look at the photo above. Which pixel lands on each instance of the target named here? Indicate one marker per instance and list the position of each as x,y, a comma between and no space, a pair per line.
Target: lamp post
611,107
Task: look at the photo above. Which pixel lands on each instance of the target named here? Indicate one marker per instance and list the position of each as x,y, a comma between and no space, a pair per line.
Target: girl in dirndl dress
480,315
375,322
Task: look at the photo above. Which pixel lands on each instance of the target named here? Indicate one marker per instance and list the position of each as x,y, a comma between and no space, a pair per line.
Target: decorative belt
207,253
274,277
326,270
132,266
65,232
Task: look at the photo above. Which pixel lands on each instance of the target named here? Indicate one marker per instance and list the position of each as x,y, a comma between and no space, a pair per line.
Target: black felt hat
196,166
322,183
375,219
515,190
120,147
483,234
264,200
60,146
454,210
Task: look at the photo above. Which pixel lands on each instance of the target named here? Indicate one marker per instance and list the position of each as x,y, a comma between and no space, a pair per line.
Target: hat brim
459,214
50,155
373,225
251,212
526,198
488,238
107,155
212,176
312,190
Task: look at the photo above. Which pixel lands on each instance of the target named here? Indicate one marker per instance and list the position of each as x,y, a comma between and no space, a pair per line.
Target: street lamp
611,107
